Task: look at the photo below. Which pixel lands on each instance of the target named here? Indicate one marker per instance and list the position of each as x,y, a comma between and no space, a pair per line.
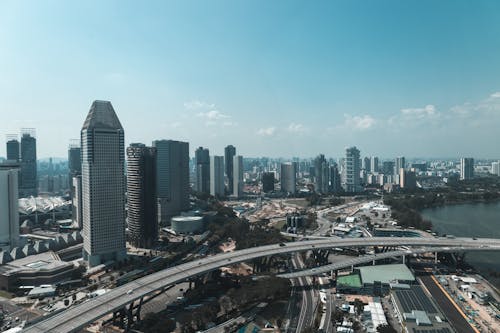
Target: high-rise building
267,182
335,181
229,153
103,185
74,161
321,174
172,178
351,173
407,179
399,163
238,176
495,168
9,208
388,167
466,168
374,166
141,195
217,176
12,147
29,179
202,157
367,165
288,177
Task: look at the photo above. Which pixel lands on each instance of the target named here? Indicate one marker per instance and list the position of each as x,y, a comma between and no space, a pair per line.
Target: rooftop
351,280
102,115
385,273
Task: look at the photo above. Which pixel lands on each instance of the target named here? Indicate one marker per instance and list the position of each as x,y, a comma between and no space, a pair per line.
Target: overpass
79,316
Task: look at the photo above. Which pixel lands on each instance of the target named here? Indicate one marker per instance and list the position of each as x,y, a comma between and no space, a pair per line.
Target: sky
274,78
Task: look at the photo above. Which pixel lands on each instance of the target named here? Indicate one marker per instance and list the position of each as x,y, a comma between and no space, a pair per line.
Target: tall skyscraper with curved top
103,185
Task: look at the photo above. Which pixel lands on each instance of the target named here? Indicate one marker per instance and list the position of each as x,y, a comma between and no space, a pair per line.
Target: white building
495,168
9,206
351,171
217,175
288,177
103,185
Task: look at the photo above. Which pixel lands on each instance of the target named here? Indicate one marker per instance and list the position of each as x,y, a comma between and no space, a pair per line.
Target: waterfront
471,220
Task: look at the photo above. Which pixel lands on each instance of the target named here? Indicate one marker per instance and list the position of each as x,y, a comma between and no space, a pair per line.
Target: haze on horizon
280,78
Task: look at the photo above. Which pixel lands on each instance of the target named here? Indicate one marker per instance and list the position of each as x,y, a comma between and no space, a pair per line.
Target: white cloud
495,95
419,113
296,128
198,105
212,115
359,122
269,131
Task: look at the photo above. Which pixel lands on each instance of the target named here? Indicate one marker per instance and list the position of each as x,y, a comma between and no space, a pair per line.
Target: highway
307,309
81,315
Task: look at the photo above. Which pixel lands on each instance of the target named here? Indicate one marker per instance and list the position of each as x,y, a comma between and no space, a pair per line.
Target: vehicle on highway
282,244
130,291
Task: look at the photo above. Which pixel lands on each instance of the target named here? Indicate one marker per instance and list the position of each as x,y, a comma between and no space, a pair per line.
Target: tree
386,328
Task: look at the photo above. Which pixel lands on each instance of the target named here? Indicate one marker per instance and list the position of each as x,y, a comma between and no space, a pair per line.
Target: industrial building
188,224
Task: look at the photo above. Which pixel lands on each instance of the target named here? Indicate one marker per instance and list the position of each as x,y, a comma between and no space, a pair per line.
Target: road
81,315
455,316
307,313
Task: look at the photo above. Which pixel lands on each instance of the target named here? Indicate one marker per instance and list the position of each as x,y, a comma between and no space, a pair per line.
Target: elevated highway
81,315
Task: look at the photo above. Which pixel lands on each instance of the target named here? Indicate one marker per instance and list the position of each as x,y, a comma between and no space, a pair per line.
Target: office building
74,162
29,179
103,185
407,179
268,182
229,153
12,148
399,163
366,164
288,177
351,172
466,168
238,176
388,167
172,178
202,157
495,168
217,176
335,181
321,180
141,195
9,206
374,166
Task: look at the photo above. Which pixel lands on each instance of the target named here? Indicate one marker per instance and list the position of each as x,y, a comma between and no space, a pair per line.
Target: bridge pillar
404,259
435,258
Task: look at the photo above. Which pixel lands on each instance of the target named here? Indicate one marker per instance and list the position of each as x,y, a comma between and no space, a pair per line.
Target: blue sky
273,78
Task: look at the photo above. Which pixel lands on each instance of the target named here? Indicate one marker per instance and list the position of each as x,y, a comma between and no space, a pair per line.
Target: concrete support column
435,258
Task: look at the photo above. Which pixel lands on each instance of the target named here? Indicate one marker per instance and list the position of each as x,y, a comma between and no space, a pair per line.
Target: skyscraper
217,176
374,164
172,178
29,179
141,195
367,165
9,209
388,167
74,165
12,147
335,182
351,171
103,185
288,177
238,176
202,157
466,168
321,174
399,163
267,182
229,153
407,179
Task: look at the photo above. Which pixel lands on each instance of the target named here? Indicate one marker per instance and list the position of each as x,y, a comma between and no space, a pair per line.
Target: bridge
79,316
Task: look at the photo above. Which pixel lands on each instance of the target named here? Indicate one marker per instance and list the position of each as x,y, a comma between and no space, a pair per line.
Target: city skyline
391,79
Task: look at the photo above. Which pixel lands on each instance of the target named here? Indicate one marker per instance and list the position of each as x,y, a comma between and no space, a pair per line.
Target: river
471,220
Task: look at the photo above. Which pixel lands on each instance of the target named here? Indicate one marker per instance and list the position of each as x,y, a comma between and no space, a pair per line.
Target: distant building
229,153
374,165
74,163
495,168
388,167
335,181
466,168
217,176
141,195
202,157
172,178
399,163
351,173
238,176
366,164
12,148
321,174
77,205
9,206
419,166
29,179
288,177
103,185
267,182
407,179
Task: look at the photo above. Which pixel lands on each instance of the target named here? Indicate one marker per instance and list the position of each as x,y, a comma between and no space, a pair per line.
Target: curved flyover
81,315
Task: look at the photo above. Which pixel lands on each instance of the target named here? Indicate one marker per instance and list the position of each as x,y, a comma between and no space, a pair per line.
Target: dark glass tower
229,153
29,177
141,195
12,148
202,156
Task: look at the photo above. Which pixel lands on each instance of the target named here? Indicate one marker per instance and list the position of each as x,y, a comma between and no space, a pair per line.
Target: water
471,220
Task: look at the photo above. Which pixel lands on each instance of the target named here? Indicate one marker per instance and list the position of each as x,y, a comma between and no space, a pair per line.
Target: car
282,244
130,291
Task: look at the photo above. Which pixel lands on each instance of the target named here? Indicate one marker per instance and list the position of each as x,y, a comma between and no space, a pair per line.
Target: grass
5,294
